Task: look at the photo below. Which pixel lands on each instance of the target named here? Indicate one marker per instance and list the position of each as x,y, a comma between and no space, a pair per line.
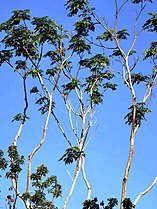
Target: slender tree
76,76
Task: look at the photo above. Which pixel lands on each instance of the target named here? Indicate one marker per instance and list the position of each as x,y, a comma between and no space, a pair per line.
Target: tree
73,71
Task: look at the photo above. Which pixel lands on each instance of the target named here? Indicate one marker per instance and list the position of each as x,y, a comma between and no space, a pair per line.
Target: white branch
77,171
18,134
89,188
145,191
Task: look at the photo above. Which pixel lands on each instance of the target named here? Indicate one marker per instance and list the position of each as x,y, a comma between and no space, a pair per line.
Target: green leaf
151,52
106,36
127,204
5,56
20,117
79,45
71,85
75,5
16,162
140,1
83,27
137,78
44,105
34,73
122,34
116,53
111,86
46,29
151,23
3,161
141,110
34,90
97,62
71,154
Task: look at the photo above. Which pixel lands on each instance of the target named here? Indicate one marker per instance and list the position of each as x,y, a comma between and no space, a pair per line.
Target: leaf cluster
152,51
75,5
93,204
151,23
20,117
45,29
44,103
3,161
71,85
34,90
141,110
140,1
79,45
43,187
137,78
106,36
71,154
82,27
5,56
16,161
122,34
109,35
20,41
96,80
127,204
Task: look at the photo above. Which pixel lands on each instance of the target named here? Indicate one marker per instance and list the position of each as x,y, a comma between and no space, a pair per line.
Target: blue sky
107,152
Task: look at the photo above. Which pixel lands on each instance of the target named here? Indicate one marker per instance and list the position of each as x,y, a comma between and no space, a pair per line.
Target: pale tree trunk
89,188
77,171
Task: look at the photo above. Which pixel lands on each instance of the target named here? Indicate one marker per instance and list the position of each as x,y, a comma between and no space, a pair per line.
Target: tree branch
145,191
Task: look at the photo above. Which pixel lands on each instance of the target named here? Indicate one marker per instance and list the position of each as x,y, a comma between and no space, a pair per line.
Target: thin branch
39,145
135,28
13,68
70,175
149,89
61,128
145,191
89,188
17,136
75,131
14,185
77,171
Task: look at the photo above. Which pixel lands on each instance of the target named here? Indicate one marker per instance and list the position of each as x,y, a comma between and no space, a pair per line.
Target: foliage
75,5
122,34
127,204
137,78
152,51
44,104
3,161
93,204
151,24
71,154
140,1
141,110
79,70
43,187
20,117
16,161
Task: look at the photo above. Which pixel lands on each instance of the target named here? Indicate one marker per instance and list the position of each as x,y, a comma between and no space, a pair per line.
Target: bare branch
145,191
17,136
149,89
39,145
77,171
70,175
18,194
61,128
89,188
136,34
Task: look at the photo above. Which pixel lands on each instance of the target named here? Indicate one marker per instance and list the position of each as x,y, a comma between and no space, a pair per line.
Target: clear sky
107,152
